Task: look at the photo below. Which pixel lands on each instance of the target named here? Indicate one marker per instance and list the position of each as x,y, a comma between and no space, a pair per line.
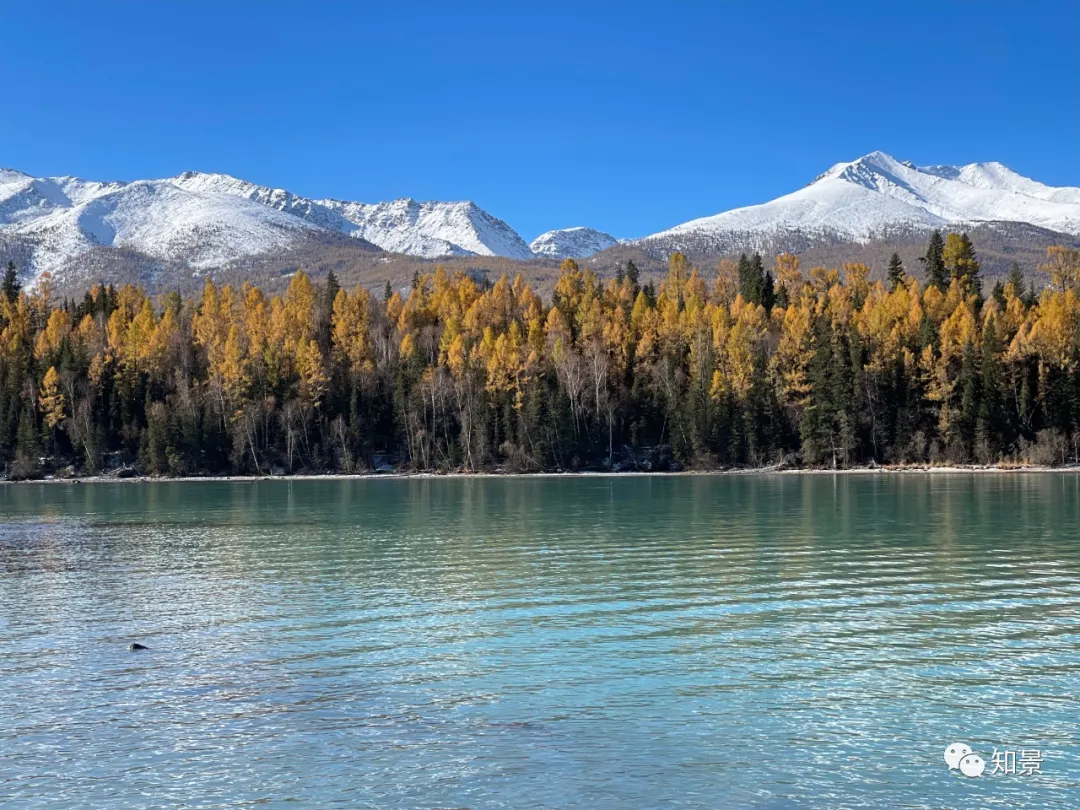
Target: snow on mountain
877,193
205,220
202,220
427,229
571,243
60,218
275,198
432,229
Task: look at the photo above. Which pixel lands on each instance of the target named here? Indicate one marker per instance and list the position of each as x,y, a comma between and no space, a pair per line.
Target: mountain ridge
203,222
861,199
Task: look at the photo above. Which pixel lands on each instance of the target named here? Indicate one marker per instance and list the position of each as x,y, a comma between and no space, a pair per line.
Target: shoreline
404,476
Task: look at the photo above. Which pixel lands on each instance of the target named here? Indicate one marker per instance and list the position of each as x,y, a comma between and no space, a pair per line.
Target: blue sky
629,117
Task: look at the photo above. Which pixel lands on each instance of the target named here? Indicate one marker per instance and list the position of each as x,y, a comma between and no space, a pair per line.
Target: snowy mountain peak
430,229
877,193
206,219
571,243
12,175
404,225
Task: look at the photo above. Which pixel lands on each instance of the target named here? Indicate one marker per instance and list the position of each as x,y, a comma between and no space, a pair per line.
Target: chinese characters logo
1025,762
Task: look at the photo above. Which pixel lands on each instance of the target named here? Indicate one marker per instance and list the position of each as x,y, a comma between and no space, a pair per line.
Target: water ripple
539,643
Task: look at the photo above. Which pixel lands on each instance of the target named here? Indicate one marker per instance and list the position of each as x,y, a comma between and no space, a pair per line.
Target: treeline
750,366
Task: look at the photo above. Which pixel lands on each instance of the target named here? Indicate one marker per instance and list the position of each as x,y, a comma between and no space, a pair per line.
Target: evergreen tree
752,279
11,285
991,433
768,292
969,402
332,287
747,282
326,311
388,292
1016,280
650,294
933,262
998,294
895,271
632,276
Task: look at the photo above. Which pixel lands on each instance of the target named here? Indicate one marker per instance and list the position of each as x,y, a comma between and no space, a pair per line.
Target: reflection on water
742,641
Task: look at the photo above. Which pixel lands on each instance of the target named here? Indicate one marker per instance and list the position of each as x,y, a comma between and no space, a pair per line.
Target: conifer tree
1016,279
632,276
757,277
745,276
969,399
768,292
998,294
895,271
752,282
933,262
11,285
991,432
958,256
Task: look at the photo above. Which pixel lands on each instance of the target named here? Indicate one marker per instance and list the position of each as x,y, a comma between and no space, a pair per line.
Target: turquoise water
731,641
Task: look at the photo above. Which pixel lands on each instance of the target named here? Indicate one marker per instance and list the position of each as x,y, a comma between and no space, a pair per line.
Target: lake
759,641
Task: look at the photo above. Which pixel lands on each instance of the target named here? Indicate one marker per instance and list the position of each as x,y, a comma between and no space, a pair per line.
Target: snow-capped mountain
60,218
877,194
571,243
207,220
197,221
432,229
427,229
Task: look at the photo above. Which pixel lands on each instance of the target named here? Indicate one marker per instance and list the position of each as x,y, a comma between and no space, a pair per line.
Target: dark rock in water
136,646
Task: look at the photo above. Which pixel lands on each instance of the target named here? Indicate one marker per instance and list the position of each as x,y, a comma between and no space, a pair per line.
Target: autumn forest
740,364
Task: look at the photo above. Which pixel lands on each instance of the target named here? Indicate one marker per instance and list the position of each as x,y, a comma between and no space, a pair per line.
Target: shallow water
729,641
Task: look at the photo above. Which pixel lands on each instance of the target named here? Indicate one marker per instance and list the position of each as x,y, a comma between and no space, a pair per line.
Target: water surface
693,642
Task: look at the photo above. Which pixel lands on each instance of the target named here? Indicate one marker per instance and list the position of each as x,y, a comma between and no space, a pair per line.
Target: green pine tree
632,276
969,401
998,294
1016,279
11,285
895,271
990,425
768,292
933,262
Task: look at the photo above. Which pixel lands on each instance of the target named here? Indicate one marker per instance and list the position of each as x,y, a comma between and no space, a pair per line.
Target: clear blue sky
629,117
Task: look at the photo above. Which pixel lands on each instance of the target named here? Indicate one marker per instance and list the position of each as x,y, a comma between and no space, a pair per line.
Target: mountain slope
201,221
58,219
162,231
432,229
876,194
426,229
571,243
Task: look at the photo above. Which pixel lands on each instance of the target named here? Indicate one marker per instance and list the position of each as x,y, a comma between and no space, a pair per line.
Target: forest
741,365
